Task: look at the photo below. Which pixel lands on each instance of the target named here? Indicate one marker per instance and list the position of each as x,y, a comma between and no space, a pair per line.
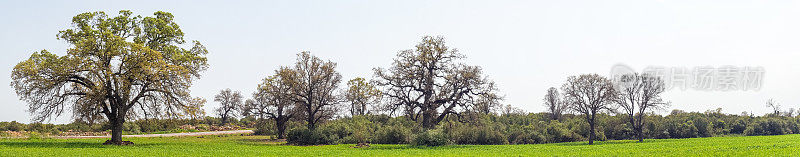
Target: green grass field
783,145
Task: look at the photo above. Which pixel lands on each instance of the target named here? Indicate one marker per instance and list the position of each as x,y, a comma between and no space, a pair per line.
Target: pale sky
524,46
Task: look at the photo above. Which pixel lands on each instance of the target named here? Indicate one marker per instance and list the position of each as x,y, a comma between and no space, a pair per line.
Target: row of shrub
534,128
131,127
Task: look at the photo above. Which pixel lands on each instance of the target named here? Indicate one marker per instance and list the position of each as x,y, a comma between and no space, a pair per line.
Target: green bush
477,135
265,127
738,126
12,126
526,137
433,137
42,128
557,132
131,128
303,136
394,134
768,126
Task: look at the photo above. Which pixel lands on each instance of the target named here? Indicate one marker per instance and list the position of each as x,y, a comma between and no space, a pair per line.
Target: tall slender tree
589,94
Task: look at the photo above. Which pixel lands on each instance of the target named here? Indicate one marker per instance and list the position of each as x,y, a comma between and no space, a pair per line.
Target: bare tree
789,113
230,103
511,110
360,94
314,84
427,84
552,100
273,100
637,95
589,94
776,108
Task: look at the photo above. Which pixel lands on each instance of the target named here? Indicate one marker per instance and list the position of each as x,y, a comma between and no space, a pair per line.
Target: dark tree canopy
427,83
114,64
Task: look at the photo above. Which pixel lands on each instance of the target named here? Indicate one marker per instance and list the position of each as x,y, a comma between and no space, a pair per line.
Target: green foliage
12,126
392,134
558,132
433,137
771,126
302,136
476,134
266,127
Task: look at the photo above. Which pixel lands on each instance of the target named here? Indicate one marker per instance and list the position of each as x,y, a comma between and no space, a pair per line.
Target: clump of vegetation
434,137
303,136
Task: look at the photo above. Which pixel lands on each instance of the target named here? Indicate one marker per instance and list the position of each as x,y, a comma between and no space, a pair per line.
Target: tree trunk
428,119
635,127
310,120
281,126
591,131
639,126
640,134
224,119
590,119
116,131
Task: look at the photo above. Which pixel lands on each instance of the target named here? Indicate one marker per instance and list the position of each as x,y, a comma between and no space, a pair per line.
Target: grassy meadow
782,145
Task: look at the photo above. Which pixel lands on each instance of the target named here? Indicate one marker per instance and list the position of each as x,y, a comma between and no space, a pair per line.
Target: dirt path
166,135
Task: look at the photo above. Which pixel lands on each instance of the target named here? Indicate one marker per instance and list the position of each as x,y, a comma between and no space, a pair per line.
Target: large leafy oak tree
113,65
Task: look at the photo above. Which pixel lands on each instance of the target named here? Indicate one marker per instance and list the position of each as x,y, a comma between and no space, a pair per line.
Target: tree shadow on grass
59,144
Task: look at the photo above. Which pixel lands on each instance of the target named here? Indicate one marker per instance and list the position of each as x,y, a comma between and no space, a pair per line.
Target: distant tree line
429,97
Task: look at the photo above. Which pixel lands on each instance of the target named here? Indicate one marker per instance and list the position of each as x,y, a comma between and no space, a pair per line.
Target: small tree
638,94
360,94
273,100
230,103
776,108
552,100
589,94
511,110
195,110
